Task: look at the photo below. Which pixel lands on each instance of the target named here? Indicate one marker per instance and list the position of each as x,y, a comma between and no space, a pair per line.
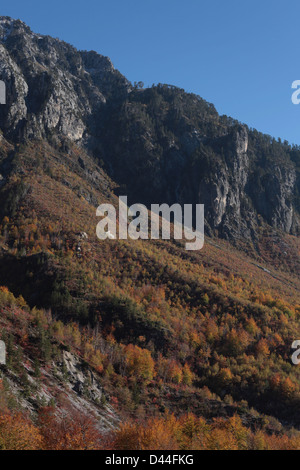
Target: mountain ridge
159,144
156,330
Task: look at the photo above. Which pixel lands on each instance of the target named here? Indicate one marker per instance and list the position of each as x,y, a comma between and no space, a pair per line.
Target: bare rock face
232,188
71,378
275,201
51,87
15,111
81,380
159,144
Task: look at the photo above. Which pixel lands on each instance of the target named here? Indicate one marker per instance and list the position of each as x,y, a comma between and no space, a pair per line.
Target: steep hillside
159,144
122,330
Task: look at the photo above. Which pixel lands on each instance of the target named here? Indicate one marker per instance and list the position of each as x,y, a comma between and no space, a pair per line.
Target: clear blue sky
240,55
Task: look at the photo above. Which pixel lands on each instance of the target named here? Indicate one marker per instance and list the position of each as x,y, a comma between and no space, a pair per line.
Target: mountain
117,330
161,144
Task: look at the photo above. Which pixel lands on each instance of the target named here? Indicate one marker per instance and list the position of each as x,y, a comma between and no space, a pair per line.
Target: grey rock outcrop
159,144
51,87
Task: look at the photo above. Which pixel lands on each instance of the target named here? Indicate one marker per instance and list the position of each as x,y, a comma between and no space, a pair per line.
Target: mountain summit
159,144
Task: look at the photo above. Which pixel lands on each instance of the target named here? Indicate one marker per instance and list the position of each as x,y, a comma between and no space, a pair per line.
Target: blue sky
241,56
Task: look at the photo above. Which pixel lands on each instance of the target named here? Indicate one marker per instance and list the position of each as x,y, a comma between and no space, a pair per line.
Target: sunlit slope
228,316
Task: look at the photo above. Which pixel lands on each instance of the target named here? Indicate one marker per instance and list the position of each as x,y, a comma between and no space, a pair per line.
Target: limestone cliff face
275,201
228,187
160,144
51,87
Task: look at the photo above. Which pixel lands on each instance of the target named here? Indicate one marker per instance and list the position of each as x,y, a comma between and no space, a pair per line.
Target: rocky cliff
159,144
